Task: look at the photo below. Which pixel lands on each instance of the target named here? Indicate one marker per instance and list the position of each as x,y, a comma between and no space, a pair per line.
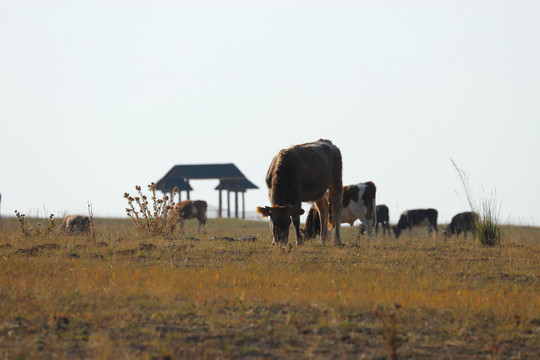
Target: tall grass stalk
486,226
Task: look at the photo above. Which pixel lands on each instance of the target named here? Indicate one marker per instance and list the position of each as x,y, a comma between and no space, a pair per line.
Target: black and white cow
417,218
461,222
358,203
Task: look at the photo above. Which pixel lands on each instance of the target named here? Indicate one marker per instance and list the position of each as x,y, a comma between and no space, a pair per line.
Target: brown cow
76,223
304,173
193,209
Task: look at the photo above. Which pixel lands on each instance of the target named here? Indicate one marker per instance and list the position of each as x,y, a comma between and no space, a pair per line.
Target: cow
76,224
383,219
462,222
304,172
312,227
358,203
192,209
417,217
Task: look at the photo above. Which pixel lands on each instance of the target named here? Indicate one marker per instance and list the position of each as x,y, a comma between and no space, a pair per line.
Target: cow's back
303,172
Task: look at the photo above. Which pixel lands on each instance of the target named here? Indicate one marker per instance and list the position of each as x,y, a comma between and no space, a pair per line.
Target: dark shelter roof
236,185
230,177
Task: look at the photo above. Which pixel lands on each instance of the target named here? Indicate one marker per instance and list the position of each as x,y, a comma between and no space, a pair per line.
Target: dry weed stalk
91,216
159,218
390,331
37,231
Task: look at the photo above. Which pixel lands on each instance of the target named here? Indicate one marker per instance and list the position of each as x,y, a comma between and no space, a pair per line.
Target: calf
76,223
417,218
300,173
461,222
193,209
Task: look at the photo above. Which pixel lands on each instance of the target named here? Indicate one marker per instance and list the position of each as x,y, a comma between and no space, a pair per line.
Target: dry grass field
124,296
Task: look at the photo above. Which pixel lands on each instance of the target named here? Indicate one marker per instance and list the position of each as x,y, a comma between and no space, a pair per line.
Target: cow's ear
297,212
264,211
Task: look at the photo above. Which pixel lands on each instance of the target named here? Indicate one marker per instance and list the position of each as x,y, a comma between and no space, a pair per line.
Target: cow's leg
367,224
182,226
336,199
296,223
322,207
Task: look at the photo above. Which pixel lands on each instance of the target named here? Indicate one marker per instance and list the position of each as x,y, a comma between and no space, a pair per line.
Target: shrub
159,218
486,227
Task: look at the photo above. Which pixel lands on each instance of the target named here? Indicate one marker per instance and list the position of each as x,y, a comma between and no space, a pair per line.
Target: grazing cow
461,222
304,173
414,218
76,223
383,219
312,227
193,209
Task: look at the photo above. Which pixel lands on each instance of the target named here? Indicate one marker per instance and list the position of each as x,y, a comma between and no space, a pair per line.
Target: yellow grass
218,298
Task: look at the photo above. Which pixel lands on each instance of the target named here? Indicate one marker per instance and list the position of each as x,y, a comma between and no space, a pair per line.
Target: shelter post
228,203
236,204
220,205
243,205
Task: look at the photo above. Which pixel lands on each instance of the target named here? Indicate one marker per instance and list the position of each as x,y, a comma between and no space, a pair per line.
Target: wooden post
188,195
179,196
228,203
219,207
244,204
236,204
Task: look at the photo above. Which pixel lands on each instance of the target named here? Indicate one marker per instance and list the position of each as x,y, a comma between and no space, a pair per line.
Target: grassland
126,296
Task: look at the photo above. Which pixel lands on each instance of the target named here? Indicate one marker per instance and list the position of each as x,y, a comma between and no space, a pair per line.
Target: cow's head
397,231
280,219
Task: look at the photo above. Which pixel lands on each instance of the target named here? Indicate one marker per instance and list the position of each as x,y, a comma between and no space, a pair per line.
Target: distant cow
76,224
416,218
461,222
304,173
193,209
383,219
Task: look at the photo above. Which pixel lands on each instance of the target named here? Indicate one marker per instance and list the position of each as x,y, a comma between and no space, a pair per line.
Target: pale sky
99,96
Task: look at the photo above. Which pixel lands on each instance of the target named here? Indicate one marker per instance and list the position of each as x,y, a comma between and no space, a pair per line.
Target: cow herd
312,172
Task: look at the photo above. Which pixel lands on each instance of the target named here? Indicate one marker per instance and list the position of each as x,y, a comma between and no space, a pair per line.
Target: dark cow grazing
461,222
415,218
383,218
193,209
312,227
304,173
76,223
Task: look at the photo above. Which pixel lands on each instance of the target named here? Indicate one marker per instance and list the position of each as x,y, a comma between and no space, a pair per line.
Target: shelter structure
230,179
